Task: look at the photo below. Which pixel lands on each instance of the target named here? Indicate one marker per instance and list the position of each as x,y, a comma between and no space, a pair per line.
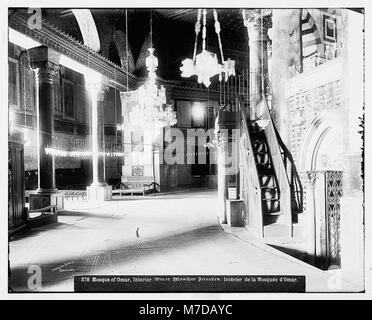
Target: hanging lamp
152,111
205,65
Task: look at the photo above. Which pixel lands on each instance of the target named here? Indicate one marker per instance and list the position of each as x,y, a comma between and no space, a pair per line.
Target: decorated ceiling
173,35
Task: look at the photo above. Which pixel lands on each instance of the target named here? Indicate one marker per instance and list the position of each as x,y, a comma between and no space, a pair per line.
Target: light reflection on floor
163,235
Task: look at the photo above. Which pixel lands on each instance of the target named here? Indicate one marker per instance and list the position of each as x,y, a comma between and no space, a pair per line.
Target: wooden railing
238,87
294,178
280,170
250,188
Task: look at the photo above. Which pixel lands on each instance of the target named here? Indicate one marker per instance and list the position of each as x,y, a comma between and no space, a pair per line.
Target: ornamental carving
308,180
333,181
256,18
63,43
304,106
330,183
47,71
257,22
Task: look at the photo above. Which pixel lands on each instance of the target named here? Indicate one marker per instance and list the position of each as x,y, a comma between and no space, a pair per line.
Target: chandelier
205,65
152,111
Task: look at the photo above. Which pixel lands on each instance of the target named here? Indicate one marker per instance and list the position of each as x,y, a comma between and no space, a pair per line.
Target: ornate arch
119,39
88,28
313,138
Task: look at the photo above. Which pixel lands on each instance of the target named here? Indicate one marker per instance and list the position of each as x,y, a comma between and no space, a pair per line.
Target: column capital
257,22
97,87
43,58
45,67
312,177
45,62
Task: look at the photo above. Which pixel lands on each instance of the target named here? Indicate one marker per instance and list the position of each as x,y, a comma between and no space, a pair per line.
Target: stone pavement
171,234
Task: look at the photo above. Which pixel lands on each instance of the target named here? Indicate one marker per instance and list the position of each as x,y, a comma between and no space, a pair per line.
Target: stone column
222,148
98,190
310,232
257,22
222,180
45,62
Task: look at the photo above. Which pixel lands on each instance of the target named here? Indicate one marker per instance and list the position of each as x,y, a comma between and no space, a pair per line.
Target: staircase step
271,199
270,206
266,180
258,142
275,213
263,158
260,147
269,187
270,193
264,166
262,171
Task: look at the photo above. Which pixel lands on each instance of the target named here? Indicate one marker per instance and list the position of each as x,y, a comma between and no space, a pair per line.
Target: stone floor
171,234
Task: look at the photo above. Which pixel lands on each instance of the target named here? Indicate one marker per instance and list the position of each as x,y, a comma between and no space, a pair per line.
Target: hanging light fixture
152,111
205,65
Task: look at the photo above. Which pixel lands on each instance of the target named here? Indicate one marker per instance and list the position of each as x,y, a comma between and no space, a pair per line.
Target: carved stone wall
333,194
304,106
323,191
310,93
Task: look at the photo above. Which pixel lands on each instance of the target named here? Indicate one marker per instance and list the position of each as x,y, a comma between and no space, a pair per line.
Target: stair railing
294,178
250,188
280,170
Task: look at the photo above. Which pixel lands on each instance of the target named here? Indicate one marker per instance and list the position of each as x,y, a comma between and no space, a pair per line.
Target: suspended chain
204,27
197,31
217,28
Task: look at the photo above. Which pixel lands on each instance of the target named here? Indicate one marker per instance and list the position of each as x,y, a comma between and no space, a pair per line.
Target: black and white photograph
188,149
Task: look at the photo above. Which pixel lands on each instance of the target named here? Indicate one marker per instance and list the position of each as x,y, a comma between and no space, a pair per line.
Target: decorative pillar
45,62
323,194
310,180
222,179
222,149
98,190
257,22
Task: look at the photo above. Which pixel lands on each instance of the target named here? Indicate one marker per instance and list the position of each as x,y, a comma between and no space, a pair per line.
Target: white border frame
191,3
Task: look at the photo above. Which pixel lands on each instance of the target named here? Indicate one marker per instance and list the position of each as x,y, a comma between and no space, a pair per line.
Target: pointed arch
88,28
119,38
321,126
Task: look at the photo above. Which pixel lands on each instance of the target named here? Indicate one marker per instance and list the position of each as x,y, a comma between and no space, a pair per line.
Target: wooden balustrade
280,170
250,189
294,177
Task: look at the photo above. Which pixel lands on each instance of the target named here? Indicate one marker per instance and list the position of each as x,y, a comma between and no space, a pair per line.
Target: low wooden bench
39,217
133,185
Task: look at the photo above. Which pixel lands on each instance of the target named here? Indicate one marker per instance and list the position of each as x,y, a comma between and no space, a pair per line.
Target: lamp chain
126,45
204,27
197,31
217,28
150,28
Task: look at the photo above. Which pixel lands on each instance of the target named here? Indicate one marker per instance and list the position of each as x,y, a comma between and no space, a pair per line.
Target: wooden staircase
269,183
270,192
